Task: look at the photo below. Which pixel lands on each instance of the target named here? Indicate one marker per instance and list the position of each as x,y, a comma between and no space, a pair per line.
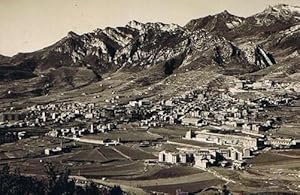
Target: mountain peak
153,25
220,23
282,10
286,6
72,34
135,24
225,12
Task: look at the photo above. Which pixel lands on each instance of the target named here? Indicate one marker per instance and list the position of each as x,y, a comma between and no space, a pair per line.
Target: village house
192,121
11,116
53,151
201,162
168,157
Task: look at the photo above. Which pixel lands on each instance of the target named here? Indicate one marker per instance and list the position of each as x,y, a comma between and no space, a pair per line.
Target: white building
200,161
223,139
191,121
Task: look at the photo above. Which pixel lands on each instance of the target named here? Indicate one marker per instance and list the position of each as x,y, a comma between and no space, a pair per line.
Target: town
204,129
220,130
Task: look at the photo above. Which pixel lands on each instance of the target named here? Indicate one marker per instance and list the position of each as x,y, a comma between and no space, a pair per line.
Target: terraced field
134,154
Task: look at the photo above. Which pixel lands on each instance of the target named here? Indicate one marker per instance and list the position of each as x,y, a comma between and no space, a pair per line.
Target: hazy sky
28,25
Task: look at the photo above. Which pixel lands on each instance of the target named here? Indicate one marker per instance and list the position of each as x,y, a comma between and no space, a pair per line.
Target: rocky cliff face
223,40
221,23
135,46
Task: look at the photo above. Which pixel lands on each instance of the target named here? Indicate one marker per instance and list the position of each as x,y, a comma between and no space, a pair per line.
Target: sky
29,25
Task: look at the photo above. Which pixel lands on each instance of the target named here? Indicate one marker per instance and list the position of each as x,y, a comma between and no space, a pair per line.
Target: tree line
57,182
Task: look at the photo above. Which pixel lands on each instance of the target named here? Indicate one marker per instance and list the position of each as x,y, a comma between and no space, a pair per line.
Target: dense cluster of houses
78,132
202,108
235,126
266,85
238,127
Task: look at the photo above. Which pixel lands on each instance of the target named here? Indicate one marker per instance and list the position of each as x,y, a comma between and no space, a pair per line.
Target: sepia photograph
138,97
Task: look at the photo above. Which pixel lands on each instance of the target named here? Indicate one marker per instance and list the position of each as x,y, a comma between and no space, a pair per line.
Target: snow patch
168,27
294,54
282,10
234,24
99,44
75,56
136,25
117,36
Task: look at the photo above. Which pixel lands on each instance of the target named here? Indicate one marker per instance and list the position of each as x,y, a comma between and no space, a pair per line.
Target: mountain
272,20
223,43
4,59
134,46
280,12
221,23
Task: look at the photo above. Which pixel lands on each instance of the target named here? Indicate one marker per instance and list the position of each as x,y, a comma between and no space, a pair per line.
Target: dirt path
289,156
121,153
218,175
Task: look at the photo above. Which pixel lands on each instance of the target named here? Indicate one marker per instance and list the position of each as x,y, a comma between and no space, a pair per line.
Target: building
191,121
168,157
174,157
238,165
53,151
255,128
11,116
200,162
133,103
89,116
281,142
223,138
144,103
236,154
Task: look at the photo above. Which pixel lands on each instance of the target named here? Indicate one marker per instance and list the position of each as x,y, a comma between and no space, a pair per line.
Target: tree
11,182
225,190
92,189
58,181
116,190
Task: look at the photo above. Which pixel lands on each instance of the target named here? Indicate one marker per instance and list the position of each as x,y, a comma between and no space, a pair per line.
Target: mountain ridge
228,42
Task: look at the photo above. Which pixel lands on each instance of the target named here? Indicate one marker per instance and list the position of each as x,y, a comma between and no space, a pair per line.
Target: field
290,116
191,181
99,154
276,158
186,187
134,153
170,132
269,172
191,143
291,130
125,135
125,168
171,172
30,147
